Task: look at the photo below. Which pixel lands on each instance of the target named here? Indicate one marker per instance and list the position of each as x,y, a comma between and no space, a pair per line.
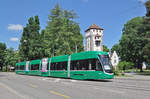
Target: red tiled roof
94,26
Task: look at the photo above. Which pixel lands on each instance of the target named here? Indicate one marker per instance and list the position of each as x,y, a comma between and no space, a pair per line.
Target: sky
111,15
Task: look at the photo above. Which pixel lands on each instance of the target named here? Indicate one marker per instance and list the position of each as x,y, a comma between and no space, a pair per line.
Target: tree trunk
140,66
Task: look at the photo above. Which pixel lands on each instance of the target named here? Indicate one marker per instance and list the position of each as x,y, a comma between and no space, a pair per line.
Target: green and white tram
84,65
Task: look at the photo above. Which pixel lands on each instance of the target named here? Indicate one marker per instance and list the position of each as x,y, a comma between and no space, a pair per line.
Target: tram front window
98,66
106,63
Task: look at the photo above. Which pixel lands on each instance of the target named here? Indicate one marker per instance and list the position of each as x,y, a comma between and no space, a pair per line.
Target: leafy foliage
62,35
115,48
2,54
105,48
132,42
11,58
30,44
146,50
123,65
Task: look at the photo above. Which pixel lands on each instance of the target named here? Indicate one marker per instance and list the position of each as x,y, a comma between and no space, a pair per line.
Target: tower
94,38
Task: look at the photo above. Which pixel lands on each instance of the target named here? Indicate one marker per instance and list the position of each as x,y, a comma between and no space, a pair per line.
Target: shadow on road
2,75
100,80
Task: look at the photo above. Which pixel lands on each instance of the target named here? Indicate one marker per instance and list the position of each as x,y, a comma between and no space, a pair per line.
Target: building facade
94,38
114,60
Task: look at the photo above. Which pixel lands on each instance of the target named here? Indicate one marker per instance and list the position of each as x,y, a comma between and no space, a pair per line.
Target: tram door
69,59
27,66
44,64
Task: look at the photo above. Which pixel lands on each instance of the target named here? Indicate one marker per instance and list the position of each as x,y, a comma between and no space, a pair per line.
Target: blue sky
108,14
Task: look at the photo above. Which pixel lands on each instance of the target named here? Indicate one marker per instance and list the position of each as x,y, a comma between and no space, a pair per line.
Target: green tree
11,58
24,44
146,30
132,42
2,54
146,50
62,35
124,65
30,45
35,49
147,5
105,48
115,48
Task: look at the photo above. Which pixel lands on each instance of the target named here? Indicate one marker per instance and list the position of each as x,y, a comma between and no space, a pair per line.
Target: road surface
14,86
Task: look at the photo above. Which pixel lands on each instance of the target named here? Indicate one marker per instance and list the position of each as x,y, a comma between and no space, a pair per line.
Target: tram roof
87,55
74,56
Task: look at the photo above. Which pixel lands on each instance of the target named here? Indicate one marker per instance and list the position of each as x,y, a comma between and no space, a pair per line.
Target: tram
84,65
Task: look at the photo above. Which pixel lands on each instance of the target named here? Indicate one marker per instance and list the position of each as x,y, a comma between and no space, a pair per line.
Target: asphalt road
14,86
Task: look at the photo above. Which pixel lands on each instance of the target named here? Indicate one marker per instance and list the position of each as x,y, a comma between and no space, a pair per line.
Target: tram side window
47,66
64,65
21,67
16,68
88,64
84,64
93,64
96,65
59,66
35,67
73,65
79,65
53,66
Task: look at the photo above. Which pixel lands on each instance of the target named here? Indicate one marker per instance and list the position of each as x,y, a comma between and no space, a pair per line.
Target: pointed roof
94,26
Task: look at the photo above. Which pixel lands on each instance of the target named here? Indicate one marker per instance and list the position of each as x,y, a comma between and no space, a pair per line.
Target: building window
97,43
114,61
97,37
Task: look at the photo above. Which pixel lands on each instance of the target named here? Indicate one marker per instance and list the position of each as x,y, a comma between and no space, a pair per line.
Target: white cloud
15,27
14,39
142,1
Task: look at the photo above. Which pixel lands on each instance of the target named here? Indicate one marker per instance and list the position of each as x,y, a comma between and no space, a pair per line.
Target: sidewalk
129,76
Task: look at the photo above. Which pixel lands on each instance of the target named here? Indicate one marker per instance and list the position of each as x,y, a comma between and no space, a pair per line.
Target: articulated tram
84,65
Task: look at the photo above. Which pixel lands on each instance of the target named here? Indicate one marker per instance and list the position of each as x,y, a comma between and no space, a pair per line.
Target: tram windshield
106,63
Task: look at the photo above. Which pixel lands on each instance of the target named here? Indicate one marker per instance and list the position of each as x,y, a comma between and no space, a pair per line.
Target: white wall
90,37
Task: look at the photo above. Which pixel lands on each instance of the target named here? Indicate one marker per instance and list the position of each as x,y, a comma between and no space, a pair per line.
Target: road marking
57,80
73,80
45,78
33,86
59,94
12,91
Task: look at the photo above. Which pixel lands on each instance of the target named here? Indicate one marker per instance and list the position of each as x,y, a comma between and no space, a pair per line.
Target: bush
4,69
125,65
116,72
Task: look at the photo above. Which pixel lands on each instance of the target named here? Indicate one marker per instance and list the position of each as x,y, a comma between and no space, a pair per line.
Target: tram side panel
58,66
34,67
